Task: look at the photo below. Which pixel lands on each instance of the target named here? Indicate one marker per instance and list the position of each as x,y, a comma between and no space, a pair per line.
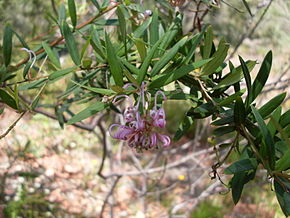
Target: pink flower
140,130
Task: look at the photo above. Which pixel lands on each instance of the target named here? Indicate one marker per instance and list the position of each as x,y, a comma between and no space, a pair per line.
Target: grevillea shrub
133,62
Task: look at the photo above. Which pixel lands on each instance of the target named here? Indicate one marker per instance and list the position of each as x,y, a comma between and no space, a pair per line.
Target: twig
12,126
108,195
158,169
104,138
250,33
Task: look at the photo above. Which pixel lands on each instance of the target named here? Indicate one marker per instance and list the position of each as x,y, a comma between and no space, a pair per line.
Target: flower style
141,130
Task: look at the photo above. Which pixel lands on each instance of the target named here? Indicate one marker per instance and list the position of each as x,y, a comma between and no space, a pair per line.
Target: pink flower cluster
141,130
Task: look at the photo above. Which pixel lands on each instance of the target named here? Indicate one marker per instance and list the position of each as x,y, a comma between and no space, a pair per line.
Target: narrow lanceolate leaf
239,111
71,43
235,75
218,58
271,105
140,45
61,73
208,43
231,98
141,29
8,99
284,162
285,119
237,184
262,76
176,74
87,112
97,5
282,194
154,28
51,55
97,44
247,76
194,42
7,44
122,22
21,40
269,143
61,14
168,56
96,90
247,7
242,166
72,12
115,66
147,61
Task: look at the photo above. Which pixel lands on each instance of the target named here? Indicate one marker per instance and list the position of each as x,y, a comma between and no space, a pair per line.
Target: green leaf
130,66
194,42
32,85
247,76
239,111
141,29
284,162
208,43
234,76
170,34
87,112
285,119
8,99
242,166
97,5
271,105
237,184
247,7
61,14
96,90
61,73
140,44
26,69
176,74
7,45
168,56
115,66
147,61
122,26
70,43
262,76
72,12
183,128
218,58
51,55
154,28
96,43
282,195
269,143
276,116
231,98
122,22
223,121
223,130
21,40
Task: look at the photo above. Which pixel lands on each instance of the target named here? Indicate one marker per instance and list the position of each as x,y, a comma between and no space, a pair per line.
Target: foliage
134,48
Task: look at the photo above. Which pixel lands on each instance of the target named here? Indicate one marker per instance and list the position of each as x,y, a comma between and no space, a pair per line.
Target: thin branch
108,195
104,141
251,31
12,126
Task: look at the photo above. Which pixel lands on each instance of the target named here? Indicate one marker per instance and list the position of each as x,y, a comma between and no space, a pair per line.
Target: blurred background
47,171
